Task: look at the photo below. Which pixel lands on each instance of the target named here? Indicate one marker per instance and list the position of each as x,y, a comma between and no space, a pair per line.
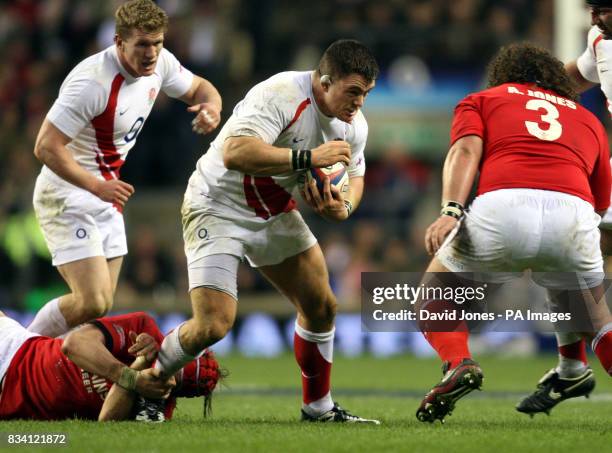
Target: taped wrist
127,380
453,209
301,159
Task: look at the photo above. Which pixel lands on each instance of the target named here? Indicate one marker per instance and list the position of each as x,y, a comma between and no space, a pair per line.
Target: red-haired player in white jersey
544,178
593,67
83,142
239,203
46,378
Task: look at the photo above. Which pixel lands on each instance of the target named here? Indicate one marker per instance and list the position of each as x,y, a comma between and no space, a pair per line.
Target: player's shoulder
98,67
357,130
475,97
167,59
283,92
93,75
286,85
359,125
498,92
594,35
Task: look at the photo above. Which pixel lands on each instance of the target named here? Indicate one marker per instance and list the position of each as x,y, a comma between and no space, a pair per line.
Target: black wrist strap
301,159
452,209
349,206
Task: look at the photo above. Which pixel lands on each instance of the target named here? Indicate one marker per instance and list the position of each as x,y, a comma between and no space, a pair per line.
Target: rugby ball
337,174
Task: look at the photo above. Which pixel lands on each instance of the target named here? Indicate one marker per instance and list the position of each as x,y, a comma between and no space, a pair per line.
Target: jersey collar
126,75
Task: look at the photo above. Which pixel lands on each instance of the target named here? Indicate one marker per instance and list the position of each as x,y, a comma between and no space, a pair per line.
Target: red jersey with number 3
535,139
42,383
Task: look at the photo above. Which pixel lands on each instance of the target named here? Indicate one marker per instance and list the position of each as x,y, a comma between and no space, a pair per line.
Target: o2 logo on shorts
203,233
81,233
134,130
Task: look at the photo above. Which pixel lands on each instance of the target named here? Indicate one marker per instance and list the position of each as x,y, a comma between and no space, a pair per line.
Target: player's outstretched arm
50,149
253,156
85,347
205,101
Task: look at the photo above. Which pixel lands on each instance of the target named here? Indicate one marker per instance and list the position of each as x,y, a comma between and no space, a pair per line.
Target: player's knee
322,311
96,309
212,330
93,305
329,308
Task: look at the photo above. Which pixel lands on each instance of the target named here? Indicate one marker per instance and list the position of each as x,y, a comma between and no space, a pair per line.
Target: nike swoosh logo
297,140
121,113
554,395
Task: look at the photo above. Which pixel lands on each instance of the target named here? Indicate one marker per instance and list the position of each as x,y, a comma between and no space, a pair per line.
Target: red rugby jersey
42,383
536,139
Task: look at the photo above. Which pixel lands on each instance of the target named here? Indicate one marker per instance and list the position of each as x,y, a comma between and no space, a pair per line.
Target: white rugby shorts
207,232
507,231
76,224
12,336
606,220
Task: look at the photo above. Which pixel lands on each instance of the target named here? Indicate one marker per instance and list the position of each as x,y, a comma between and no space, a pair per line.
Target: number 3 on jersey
554,130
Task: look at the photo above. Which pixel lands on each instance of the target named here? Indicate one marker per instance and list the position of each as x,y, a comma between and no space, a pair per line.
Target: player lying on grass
544,178
95,373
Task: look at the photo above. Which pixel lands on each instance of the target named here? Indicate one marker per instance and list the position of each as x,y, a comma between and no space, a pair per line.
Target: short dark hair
348,56
599,3
526,63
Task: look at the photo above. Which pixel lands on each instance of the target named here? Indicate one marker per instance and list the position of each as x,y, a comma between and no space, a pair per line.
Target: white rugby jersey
102,108
595,64
282,112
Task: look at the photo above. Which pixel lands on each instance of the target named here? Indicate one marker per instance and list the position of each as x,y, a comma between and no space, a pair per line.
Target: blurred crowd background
431,52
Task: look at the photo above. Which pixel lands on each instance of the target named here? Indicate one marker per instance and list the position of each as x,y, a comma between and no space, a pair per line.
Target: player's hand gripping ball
337,174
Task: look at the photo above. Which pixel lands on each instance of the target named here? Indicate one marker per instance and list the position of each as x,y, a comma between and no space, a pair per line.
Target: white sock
565,338
324,340
318,407
172,357
49,320
570,368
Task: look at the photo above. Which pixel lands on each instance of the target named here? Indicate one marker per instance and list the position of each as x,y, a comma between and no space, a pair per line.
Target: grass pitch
258,410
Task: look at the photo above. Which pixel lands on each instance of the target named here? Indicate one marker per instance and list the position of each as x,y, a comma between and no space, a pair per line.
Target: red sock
574,351
451,346
448,337
316,370
602,345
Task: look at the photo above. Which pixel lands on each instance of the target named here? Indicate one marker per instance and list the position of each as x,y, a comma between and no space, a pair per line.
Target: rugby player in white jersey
572,377
239,204
83,142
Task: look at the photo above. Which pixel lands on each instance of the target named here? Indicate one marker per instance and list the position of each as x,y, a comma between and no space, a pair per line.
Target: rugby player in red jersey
95,373
544,182
572,377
